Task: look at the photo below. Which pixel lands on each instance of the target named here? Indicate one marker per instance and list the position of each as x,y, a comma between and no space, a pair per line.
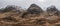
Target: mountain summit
52,10
34,9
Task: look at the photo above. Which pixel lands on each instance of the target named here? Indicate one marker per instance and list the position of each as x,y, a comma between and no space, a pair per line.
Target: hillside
33,16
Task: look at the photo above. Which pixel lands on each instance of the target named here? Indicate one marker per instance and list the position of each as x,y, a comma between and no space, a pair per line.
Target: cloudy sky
26,3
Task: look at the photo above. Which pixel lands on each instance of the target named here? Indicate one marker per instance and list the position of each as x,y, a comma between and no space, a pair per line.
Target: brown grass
38,20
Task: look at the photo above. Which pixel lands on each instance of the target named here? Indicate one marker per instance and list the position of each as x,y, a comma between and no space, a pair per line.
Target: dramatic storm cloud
26,3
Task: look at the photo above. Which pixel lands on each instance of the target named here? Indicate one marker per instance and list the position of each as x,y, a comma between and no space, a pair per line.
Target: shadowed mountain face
34,9
52,10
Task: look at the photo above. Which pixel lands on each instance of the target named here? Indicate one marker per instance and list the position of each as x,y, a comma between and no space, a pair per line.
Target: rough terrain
33,16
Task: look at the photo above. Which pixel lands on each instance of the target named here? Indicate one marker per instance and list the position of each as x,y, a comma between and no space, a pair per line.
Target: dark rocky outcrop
1,10
41,21
9,8
9,19
34,9
52,10
57,25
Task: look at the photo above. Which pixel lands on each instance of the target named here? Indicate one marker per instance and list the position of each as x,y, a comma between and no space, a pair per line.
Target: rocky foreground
33,16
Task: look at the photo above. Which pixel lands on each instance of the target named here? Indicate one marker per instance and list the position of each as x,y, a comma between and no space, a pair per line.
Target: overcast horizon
26,3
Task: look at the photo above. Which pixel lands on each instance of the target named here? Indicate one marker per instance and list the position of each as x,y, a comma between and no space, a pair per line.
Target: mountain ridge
33,16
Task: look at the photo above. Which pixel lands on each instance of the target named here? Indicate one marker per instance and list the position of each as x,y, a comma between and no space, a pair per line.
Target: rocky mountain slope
33,16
